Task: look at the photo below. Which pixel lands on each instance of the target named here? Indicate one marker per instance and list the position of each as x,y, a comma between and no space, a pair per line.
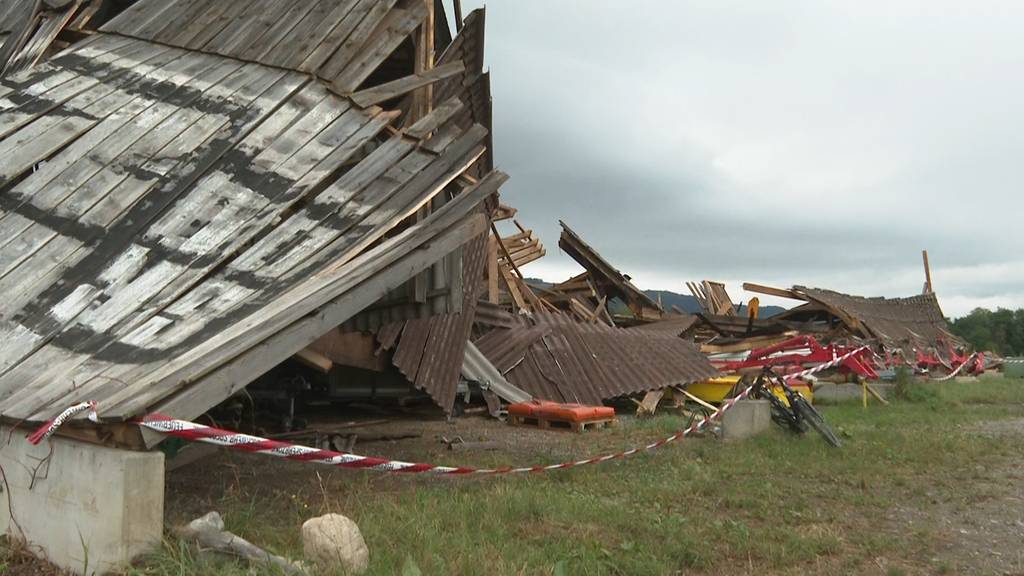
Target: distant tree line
1001,331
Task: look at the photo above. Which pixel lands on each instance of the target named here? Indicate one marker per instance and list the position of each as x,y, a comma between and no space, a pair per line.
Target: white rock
333,542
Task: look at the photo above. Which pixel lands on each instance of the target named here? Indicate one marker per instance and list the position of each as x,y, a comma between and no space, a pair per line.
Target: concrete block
965,379
88,501
746,418
831,392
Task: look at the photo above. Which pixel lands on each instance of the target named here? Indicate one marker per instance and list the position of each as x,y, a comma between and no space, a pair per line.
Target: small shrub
906,390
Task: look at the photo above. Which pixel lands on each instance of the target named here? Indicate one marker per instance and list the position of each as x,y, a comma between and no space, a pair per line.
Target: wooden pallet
563,425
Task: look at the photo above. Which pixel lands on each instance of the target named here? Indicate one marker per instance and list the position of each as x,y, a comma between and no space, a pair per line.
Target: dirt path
978,526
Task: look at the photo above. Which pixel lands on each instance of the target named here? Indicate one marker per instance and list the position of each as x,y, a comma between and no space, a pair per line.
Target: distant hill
685,302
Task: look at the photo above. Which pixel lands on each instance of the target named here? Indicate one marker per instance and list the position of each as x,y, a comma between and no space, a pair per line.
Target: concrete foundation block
746,418
831,392
90,509
965,379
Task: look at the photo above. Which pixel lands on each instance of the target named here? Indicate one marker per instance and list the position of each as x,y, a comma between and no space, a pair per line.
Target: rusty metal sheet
494,315
671,325
590,362
507,347
430,351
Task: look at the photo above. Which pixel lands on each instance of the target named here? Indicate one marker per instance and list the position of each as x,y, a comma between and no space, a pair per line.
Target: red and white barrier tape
953,374
199,433
51,427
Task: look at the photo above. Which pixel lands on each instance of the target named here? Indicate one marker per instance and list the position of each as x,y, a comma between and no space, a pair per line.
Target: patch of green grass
773,504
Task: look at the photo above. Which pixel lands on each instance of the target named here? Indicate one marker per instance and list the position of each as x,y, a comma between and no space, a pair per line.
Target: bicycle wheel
810,415
781,414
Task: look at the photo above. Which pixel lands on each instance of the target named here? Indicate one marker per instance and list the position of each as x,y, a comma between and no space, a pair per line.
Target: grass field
888,502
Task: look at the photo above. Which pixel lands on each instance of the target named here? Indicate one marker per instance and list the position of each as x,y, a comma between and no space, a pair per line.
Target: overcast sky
793,142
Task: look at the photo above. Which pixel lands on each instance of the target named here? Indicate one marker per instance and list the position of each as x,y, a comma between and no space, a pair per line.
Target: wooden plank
398,25
184,279
348,34
440,115
281,32
150,115
51,24
871,390
282,311
234,375
200,33
184,35
232,38
780,292
78,96
695,399
649,405
493,296
186,17
308,33
21,27
265,91
129,134
245,217
746,344
29,243
239,82
258,25
157,18
314,360
129,21
396,88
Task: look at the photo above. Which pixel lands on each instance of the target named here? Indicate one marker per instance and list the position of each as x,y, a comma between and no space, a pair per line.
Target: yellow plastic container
715,390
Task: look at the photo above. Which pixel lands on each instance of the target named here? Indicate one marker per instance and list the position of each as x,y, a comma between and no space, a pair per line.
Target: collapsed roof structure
908,325
555,357
204,188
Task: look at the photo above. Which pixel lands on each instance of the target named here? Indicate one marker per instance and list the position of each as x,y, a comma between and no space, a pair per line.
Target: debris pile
299,200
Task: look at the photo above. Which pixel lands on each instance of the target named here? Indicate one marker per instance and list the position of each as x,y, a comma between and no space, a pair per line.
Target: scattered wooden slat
649,405
396,88
394,28
330,57
314,360
780,292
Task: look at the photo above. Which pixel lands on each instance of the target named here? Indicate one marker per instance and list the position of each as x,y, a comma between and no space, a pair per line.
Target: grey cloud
819,142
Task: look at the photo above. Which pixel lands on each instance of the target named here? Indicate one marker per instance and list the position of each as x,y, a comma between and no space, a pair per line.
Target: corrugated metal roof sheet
674,325
477,368
494,315
430,351
554,357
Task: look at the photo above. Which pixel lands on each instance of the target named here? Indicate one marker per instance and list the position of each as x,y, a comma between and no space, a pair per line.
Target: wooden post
422,102
458,16
492,270
927,273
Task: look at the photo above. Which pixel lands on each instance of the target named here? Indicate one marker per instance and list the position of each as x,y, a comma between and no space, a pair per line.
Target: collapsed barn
911,329
203,199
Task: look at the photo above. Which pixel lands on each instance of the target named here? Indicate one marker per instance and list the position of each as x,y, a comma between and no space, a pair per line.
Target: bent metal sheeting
175,222
554,357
